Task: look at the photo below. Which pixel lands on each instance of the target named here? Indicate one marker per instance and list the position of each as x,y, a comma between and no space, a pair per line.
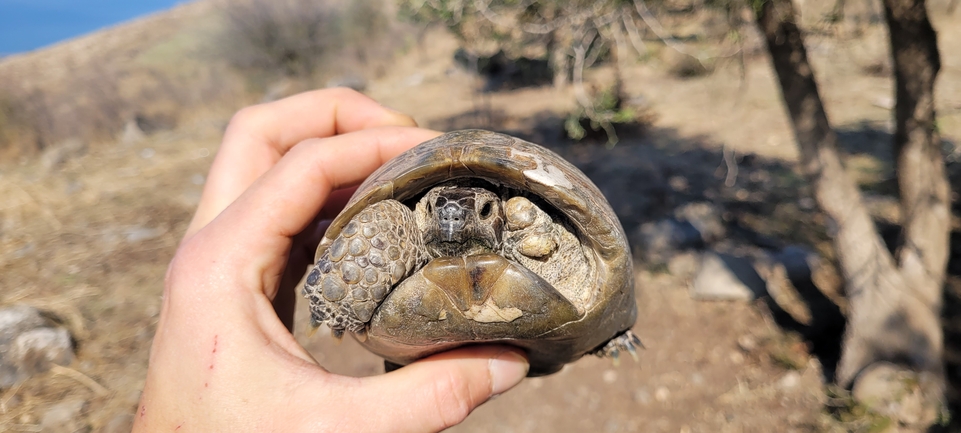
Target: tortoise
477,237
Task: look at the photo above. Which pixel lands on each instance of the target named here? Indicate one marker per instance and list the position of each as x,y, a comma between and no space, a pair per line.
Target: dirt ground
88,240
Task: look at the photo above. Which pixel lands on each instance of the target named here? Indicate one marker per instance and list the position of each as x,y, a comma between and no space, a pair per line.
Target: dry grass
88,246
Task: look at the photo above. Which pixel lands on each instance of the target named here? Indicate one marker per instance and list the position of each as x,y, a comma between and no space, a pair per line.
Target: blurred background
110,116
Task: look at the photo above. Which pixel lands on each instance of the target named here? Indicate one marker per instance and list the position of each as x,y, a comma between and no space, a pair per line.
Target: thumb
440,391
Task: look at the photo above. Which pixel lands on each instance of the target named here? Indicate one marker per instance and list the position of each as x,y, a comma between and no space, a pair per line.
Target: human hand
222,358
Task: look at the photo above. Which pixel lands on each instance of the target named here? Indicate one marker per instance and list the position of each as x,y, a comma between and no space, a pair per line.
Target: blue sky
30,24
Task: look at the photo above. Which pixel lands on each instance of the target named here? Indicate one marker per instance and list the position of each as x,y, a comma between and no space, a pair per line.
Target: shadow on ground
765,204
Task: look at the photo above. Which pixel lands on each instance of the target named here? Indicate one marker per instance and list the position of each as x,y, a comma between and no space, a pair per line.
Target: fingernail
507,369
401,118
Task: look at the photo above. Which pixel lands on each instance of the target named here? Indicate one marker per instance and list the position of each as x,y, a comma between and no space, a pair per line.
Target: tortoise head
458,221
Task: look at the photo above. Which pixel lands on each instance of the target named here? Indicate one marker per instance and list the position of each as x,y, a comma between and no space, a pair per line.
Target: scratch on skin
179,426
143,410
213,353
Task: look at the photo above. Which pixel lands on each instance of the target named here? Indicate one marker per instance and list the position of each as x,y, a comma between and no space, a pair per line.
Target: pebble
140,234
658,241
722,277
747,343
120,423
42,345
63,417
706,219
661,394
610,376
737,358
895,392
790,380
27,345
16,319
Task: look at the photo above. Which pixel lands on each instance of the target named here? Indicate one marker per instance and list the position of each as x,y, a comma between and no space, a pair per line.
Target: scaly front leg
379,247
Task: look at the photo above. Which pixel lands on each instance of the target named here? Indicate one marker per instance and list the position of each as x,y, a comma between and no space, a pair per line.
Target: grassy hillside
86,232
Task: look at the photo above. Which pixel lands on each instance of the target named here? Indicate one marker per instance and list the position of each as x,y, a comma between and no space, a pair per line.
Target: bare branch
634,35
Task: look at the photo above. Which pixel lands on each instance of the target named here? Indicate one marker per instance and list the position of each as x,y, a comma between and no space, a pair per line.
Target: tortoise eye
487,210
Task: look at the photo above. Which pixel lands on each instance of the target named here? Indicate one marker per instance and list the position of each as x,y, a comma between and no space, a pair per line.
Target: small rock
678,183
706,219
901,394
140,234
36,349
658,242
722,277
610,376
120,423
16,319
65,416
147,153
747,343
661,394
697,379
736,358
790,380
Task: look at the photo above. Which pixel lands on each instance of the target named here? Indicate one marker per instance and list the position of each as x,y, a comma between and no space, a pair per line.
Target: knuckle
244,116
188,255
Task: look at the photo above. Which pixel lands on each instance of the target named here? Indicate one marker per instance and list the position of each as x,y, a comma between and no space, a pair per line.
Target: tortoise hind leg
623,342
376,249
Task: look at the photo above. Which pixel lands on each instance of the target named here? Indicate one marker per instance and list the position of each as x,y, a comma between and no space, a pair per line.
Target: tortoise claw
633,352
312,329
626,341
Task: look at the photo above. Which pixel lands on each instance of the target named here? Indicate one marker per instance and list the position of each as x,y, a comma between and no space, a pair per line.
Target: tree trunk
893,312
925,192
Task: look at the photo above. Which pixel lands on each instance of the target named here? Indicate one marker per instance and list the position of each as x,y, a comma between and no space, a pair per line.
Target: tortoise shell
430,310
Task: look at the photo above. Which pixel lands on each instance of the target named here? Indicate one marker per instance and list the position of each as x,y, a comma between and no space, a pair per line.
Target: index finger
258,136
286,199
